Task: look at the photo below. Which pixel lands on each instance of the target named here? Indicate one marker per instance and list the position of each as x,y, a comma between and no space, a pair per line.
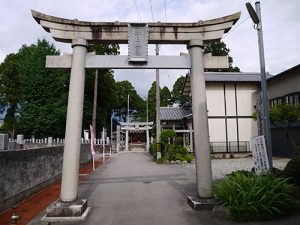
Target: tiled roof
233,77
225,77
295,68
173,113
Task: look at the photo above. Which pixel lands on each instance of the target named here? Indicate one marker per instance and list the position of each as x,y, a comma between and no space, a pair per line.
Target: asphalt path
131,189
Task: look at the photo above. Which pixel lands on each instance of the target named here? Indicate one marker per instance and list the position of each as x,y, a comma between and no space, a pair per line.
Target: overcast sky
281,27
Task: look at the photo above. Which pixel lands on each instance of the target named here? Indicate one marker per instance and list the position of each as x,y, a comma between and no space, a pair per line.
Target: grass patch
252,197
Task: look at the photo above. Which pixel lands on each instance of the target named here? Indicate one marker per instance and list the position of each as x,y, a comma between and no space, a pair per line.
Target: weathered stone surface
3,141
220,211
201,203
65,30
67,209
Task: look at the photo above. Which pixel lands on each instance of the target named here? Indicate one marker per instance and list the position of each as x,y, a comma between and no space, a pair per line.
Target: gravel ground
221,167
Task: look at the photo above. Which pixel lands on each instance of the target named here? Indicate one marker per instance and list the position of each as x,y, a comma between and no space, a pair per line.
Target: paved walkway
131,189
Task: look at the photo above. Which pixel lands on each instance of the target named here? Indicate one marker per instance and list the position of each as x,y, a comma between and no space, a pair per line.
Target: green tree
106,90
177,95
220,49
165,97
136,103
152,101
10,91
44,92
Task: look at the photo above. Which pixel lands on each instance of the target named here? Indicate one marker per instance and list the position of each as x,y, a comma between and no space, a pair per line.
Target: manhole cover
147,182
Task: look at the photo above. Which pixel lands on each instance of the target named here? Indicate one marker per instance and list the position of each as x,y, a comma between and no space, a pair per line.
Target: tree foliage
106,90
165,99
177,95
10,91
284,114
136,103
44,92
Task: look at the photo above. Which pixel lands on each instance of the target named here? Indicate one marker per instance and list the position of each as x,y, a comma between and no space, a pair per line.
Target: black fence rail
230,147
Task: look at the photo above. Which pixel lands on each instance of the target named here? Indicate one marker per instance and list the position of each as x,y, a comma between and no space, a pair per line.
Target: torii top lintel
65,30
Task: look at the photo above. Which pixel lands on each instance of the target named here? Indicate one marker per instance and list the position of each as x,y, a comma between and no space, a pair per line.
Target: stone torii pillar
200,120
118,134
126,139
69,184
81,33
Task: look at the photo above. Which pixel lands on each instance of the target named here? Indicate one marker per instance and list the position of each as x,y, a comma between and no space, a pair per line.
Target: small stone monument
3,142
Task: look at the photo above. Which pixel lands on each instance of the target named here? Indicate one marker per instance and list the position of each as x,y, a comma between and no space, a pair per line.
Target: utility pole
147,131
256,18
127,109
95,102
127,121
157,109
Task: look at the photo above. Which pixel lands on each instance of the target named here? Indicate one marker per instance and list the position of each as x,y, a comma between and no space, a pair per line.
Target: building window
296,99
292,99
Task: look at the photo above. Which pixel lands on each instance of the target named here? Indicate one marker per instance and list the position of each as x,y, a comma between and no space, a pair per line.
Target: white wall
238,115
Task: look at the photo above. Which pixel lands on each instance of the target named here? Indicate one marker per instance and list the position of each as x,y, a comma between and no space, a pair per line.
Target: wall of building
284,85
230,107
25,172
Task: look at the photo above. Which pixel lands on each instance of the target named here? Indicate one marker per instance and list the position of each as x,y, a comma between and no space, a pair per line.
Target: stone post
50,141
69,184
126,140
118,138
3,141
147,138
191,141
199,108
20,141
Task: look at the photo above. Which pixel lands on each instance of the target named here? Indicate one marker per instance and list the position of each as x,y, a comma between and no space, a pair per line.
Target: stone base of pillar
201,203
60,211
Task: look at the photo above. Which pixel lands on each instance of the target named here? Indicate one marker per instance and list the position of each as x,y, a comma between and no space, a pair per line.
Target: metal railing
230,147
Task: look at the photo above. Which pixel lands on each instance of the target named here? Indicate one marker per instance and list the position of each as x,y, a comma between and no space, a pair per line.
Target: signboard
260,157
137,42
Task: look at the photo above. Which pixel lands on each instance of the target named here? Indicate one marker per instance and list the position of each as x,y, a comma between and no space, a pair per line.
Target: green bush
166,134
252,197
176,152
153,150
179,141
292,170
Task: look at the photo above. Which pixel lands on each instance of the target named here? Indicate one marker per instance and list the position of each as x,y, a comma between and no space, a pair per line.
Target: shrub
166,134
179,141
178,153
292,170
251,197
153,150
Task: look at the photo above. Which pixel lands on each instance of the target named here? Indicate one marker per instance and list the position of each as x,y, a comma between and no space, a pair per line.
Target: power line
235,27
151,11
137,9
165,10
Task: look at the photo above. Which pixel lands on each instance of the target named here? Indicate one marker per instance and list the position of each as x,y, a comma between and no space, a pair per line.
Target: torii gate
80,34
136,126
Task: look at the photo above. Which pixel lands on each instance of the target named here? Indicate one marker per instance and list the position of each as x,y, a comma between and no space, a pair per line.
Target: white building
231,100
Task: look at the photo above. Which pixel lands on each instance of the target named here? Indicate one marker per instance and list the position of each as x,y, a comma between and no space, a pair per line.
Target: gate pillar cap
195,43
79,42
